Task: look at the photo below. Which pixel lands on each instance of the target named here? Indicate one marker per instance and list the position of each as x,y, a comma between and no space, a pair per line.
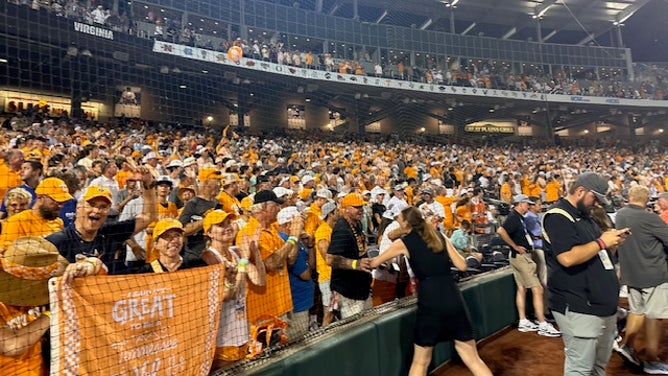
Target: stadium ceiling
561,21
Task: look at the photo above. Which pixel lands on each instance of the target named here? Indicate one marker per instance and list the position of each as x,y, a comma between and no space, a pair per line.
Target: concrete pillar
452,21
317,117
620,41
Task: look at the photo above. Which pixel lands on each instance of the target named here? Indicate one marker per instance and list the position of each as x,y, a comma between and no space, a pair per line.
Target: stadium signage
219,57
490,127
93,30
579,98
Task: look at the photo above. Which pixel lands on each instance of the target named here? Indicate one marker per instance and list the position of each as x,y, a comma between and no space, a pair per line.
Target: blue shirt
302,291
533,223
68,212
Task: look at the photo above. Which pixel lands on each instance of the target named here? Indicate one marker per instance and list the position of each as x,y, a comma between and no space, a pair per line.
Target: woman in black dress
442,314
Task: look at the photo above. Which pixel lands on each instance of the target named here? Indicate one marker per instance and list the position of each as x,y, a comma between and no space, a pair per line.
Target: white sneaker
546,329
527,326
615,343
655,368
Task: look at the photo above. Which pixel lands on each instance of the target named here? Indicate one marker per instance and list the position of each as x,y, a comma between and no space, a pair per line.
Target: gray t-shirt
642,259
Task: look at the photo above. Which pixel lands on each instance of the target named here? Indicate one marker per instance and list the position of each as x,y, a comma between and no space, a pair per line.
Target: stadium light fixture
3,61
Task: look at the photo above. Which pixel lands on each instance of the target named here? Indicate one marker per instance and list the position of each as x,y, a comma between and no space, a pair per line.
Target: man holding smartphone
584,290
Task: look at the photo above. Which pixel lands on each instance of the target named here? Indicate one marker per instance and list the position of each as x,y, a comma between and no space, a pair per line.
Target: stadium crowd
463,71
137,198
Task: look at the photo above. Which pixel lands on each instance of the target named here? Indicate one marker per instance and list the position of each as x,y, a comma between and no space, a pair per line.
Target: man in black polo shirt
583,285
514,232
351,271
92,235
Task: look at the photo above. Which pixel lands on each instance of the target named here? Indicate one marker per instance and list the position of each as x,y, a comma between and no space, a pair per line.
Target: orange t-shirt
409,195
305,193
26,223
122,177
8,179
29,363
230,204
324,232
411,172
449,220
274,297
481,211
506,193
169,211
552,191
312,219
461,213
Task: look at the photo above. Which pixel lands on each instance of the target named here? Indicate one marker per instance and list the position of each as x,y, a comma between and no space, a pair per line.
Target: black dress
442,314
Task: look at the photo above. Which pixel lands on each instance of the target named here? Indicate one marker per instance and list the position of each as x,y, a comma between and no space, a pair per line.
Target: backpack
268,332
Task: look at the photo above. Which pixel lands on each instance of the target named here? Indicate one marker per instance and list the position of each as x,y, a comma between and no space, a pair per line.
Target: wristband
229,285
601,243
242,262
47,314
292,240
354,265
92,263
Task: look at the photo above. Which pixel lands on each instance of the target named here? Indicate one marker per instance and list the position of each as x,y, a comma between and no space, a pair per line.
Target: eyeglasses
99,206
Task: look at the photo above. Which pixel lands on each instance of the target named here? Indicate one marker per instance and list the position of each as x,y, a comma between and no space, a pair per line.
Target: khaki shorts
652,302
326,293
524,270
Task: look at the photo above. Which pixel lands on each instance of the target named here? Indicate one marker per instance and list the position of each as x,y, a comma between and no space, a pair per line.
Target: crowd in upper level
649,82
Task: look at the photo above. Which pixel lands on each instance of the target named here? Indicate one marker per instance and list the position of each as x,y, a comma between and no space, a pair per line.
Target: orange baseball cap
209,173
54,188
215,217
166,224
95,191
352,199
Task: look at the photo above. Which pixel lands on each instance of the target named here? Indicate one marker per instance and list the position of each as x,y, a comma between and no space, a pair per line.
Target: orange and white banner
142,324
